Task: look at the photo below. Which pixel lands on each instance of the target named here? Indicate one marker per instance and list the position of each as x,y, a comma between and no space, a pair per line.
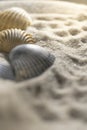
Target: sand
57,99
75,1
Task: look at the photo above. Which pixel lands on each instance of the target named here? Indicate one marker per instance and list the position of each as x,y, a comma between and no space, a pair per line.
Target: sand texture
56,100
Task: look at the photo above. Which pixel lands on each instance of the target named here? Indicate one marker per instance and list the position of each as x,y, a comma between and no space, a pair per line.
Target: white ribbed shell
14,18
12,37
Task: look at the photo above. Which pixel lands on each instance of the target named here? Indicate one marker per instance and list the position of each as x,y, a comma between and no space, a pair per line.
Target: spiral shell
14,18
29,61
5,69
12,37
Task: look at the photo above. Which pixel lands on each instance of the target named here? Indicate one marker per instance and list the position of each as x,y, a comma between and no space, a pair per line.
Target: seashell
29,61
14,18
12,37
5,69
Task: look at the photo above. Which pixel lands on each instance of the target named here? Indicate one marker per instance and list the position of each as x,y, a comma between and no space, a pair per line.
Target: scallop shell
12,37
5,69
29,61
14,18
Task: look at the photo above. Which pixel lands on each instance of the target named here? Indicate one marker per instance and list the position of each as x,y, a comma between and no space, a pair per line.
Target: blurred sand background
75,1
57,99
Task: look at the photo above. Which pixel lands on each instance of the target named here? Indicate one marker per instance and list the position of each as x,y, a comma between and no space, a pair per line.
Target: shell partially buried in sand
14,18
12,37
5,68
29,61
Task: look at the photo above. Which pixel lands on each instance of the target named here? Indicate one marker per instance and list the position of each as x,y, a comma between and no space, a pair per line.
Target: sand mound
58,98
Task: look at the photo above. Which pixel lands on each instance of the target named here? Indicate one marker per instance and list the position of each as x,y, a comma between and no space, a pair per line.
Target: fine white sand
57,99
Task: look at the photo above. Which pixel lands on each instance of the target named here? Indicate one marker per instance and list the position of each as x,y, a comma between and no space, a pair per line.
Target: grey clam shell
12,37
14,18
29,61
5,69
